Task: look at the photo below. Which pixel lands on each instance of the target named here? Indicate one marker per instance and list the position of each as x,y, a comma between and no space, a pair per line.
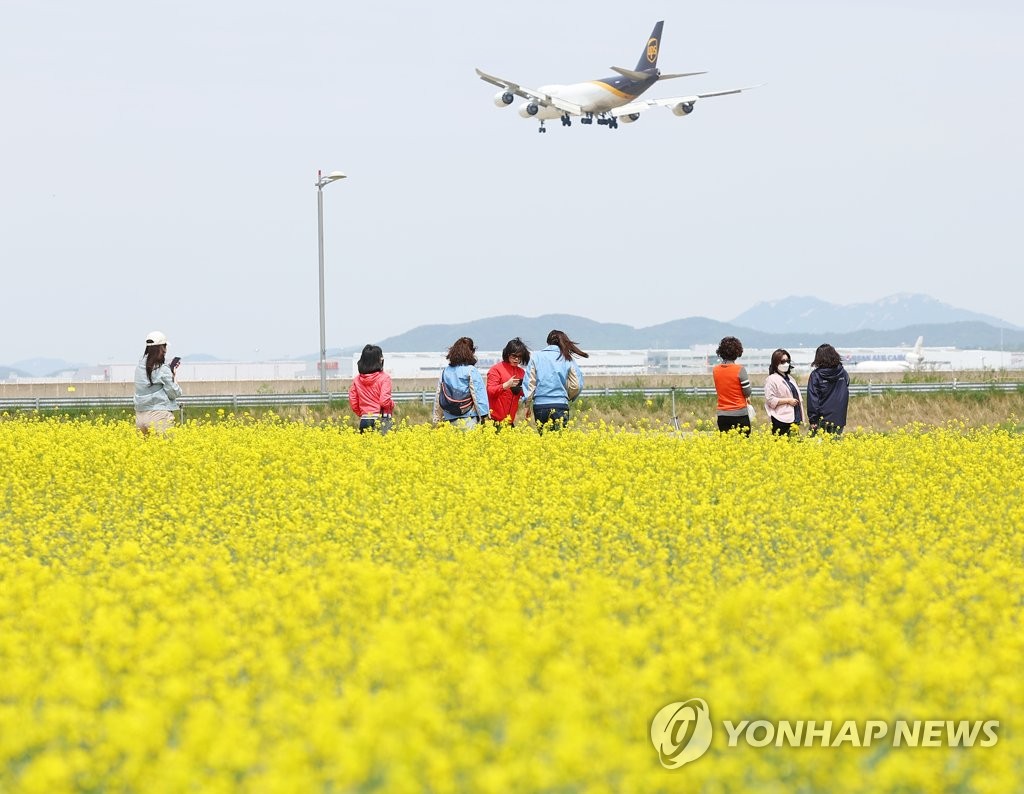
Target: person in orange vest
733,387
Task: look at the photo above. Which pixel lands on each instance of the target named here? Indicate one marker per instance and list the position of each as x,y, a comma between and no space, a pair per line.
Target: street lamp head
334,176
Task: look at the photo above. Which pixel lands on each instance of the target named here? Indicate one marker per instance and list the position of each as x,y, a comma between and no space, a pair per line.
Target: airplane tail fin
916,356
649,58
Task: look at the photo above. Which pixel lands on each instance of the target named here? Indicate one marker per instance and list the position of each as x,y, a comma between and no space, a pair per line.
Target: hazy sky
159,160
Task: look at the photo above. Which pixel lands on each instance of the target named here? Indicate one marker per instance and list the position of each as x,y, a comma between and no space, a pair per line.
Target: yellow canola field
277,607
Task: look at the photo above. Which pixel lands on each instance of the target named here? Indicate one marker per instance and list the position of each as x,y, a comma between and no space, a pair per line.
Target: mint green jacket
160,395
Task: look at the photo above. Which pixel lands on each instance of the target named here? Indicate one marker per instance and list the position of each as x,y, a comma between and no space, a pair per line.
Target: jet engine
683,108
629,118
529,109
504,98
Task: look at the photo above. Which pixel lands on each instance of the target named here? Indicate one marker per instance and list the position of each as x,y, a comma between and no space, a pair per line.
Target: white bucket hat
156,338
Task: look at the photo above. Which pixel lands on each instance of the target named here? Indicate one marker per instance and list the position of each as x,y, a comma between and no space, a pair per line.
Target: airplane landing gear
613,123
542,128
588,119
566,121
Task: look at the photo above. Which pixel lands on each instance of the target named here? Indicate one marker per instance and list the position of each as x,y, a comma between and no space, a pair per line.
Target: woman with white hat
156,391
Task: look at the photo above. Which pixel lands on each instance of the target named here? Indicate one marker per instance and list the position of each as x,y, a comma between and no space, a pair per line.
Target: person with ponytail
156,390
553,380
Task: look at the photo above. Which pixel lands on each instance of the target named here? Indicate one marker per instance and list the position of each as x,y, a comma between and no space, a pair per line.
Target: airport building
696,360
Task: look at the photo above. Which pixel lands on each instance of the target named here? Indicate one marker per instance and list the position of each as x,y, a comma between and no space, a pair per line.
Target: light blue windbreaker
161,394
546,376
459,381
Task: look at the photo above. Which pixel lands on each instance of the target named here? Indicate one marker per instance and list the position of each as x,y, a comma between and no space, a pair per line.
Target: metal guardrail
241,401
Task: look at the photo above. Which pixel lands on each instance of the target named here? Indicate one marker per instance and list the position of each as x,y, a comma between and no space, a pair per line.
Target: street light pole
321,182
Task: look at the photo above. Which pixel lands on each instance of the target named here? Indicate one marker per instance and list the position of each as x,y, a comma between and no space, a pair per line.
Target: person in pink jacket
370,393
782,398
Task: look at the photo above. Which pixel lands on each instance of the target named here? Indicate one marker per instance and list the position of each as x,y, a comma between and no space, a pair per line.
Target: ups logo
652,50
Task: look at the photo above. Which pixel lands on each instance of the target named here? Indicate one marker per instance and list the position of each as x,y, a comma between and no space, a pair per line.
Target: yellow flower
266,606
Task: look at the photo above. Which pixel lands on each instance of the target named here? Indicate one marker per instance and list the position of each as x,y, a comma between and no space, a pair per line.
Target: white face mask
784,367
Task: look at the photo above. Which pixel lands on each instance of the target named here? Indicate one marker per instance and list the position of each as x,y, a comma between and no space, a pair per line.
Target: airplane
911,361
609,100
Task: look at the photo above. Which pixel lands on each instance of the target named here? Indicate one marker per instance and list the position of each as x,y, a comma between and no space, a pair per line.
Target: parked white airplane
912,360
610,99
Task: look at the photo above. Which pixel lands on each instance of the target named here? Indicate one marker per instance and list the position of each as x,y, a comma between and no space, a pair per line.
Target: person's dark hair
370,360
155,357
462,352
729,349
566,347
826,356
777,356
516,347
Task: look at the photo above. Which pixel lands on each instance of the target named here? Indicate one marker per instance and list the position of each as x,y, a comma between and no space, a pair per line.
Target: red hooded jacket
370,394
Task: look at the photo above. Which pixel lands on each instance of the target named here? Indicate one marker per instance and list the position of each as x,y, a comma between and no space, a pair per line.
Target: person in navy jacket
828,392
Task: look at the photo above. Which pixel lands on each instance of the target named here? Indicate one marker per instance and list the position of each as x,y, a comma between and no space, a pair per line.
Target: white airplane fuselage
594,97
881,366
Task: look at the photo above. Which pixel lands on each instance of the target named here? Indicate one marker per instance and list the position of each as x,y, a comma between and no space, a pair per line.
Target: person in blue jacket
828,392
461,395
553,380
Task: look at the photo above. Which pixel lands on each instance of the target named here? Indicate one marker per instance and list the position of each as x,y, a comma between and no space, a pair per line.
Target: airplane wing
542,99
676,102
632,74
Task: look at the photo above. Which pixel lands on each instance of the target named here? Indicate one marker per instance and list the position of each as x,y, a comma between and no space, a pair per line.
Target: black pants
782,428
727,423
550,417
380,423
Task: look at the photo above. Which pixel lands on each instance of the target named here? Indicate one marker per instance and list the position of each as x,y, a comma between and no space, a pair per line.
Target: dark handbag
452,405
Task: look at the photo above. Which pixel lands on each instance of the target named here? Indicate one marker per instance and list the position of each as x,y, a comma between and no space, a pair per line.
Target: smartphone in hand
175,362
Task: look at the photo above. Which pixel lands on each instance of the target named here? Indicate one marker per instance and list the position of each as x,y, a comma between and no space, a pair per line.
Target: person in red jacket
370,393
505,381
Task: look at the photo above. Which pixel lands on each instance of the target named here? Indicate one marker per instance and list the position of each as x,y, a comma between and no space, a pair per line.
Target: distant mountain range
807,315
789,322
492,334
37,367
47,367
